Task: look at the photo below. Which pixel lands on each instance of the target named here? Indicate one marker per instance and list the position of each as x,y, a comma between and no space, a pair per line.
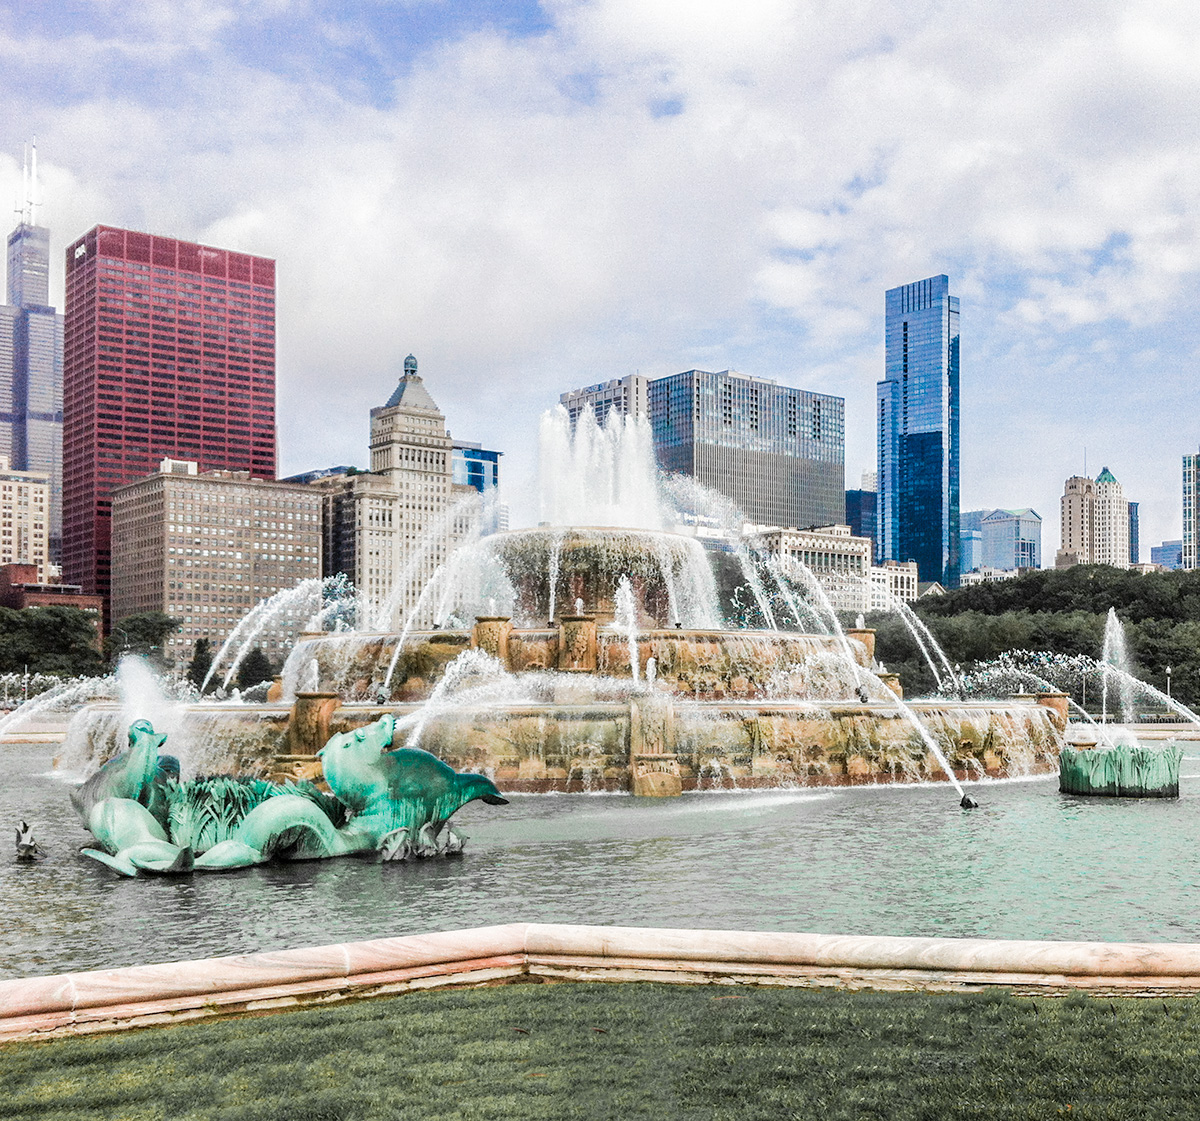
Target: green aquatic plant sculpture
392,801
1121,771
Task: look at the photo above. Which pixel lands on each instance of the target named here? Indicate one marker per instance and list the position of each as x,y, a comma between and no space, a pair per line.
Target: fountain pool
1030,863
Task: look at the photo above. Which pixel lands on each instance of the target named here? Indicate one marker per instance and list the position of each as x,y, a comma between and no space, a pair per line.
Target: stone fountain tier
653,743
577,570
649,743
708,664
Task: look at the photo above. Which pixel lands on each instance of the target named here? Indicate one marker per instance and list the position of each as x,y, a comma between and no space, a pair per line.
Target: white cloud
654,185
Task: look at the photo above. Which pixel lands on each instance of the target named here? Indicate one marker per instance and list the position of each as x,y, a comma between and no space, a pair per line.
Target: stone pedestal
892,681
308,729
866,636
490,634
577,644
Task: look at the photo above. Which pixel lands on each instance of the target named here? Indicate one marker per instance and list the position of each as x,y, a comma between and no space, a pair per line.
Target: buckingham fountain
592,653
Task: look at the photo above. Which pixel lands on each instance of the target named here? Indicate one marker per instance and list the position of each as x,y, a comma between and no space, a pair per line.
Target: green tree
58,640
255,668
144,634
201,663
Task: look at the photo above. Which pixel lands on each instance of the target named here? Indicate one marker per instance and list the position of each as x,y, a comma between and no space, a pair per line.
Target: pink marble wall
106,1000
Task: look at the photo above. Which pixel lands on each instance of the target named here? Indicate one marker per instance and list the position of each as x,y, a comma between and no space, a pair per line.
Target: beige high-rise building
1095,522
390,528
1078,525
206,548
1111,522
25,518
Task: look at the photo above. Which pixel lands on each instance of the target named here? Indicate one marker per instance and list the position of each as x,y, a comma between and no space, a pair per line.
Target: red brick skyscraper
169,350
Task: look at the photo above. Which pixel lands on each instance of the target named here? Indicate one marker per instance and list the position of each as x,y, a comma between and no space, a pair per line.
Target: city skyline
561,196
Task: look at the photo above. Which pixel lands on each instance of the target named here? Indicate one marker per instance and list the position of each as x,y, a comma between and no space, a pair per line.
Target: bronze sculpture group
394,801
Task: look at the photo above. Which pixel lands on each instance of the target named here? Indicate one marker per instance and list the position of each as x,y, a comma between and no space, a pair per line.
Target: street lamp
1168,682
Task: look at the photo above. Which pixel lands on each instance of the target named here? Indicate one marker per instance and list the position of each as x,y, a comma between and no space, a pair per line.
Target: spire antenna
24,199
33,185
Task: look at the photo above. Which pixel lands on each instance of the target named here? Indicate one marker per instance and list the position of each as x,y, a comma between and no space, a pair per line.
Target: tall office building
1135,535
1111,522
1011,539
1189,555
1168,555
778,452
31,359
860,507
386,528
24,519
169,353
918,430
205,548
1095,522
627,396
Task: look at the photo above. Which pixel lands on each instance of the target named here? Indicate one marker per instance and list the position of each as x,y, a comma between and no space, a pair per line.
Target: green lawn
624,1051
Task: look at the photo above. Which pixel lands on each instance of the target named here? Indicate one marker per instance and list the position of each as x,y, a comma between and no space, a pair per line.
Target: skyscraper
1012,539
860,508
378,523
1095,522
778,452
31,357
625,396
1112,522
169,354
1189,557
917,430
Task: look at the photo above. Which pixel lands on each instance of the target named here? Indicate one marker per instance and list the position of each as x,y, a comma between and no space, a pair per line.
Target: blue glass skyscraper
917,431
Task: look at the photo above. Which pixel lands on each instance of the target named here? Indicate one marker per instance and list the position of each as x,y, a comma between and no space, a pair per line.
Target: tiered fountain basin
609,677
704,664
652,743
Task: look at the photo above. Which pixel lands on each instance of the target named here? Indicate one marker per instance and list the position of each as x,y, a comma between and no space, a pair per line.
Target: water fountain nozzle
968,803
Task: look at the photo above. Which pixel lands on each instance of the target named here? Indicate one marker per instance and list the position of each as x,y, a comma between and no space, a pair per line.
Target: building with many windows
860,507
206,547
169,352
891,581
25,519
1135,535
777,452
627,396
917,430
388,529
1189,551
1168,555
1011,539
1095,522
839,560
31,360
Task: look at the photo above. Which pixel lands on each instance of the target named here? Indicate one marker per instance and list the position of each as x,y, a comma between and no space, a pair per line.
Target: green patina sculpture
396,802
1120,772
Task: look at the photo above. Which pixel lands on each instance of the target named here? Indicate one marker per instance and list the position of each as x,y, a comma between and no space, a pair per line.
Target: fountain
530,660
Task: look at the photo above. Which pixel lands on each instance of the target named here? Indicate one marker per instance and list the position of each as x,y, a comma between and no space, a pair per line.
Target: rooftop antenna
22,199
33,199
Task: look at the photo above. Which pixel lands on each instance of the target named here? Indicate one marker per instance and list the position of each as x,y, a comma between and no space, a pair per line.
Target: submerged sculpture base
1120,772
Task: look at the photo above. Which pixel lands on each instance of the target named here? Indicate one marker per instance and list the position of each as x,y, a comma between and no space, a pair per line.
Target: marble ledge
169,992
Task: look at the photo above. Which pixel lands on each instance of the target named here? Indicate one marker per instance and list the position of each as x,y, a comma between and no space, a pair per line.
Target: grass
626,1051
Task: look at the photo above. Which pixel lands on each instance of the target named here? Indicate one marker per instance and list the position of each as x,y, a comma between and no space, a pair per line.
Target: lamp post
1168,682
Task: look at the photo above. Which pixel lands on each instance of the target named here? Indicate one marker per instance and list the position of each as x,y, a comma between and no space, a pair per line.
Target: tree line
61,641
1060,611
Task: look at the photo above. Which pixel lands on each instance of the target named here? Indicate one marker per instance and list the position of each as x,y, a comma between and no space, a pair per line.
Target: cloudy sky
532,197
